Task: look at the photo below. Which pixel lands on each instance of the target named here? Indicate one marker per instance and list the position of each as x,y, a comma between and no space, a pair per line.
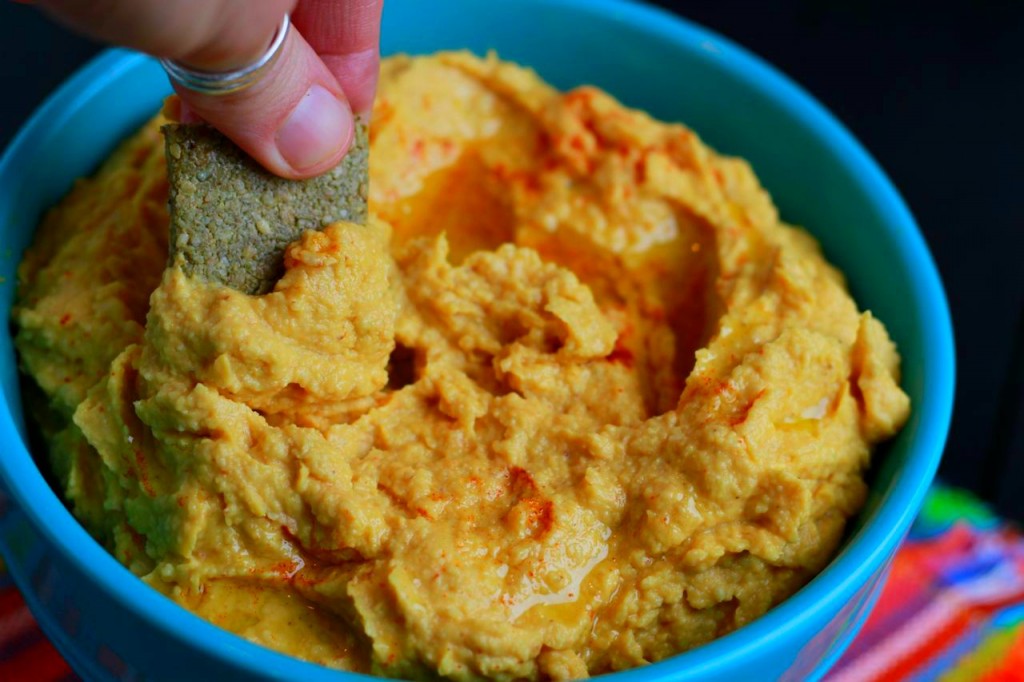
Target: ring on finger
234,80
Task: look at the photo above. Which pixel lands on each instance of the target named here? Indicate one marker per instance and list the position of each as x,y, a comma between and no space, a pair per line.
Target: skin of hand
297,119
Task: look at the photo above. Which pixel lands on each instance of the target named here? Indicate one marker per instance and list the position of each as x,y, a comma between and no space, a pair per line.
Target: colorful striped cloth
953,607
952,610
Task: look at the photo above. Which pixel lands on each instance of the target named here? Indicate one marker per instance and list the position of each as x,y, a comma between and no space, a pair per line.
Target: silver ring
226,82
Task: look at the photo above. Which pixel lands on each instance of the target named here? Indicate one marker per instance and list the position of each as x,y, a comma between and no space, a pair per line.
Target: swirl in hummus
575,399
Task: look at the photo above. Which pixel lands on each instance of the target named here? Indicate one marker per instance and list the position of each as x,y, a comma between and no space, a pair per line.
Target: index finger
346,35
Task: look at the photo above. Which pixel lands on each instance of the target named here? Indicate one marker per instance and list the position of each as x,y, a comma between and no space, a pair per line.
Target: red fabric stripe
39,663
17,629
10,601
24,653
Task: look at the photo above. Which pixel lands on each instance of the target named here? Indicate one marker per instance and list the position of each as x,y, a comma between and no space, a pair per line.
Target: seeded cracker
231,219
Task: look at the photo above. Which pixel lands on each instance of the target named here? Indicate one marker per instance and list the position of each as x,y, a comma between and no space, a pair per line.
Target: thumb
295,120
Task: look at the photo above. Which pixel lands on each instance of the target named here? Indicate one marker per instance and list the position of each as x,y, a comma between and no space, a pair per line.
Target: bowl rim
866,552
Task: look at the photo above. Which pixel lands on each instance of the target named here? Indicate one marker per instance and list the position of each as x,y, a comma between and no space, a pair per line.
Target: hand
297,119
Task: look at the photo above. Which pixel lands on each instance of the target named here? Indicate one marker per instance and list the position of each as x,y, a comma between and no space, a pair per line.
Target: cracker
231,219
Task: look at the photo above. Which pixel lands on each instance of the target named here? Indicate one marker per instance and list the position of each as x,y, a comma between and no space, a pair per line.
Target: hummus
575,400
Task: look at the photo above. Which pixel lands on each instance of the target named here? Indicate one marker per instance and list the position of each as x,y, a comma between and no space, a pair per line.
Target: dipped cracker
231,219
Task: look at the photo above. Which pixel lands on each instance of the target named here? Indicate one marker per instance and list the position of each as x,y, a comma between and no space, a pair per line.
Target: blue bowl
110,626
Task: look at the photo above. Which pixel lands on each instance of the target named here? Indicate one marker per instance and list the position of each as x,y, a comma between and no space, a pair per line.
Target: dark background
936,94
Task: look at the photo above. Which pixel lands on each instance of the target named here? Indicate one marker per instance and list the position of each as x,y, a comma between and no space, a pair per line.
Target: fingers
295,120
208,34
346,35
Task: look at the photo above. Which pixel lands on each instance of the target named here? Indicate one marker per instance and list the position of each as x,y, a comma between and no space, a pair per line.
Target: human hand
297,118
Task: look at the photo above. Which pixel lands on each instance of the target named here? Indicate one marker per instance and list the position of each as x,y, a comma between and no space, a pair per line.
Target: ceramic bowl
110,626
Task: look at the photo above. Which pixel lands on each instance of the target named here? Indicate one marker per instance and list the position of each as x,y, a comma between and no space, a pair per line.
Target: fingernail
316,129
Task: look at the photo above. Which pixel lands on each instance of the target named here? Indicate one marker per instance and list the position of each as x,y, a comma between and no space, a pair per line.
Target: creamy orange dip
575,400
